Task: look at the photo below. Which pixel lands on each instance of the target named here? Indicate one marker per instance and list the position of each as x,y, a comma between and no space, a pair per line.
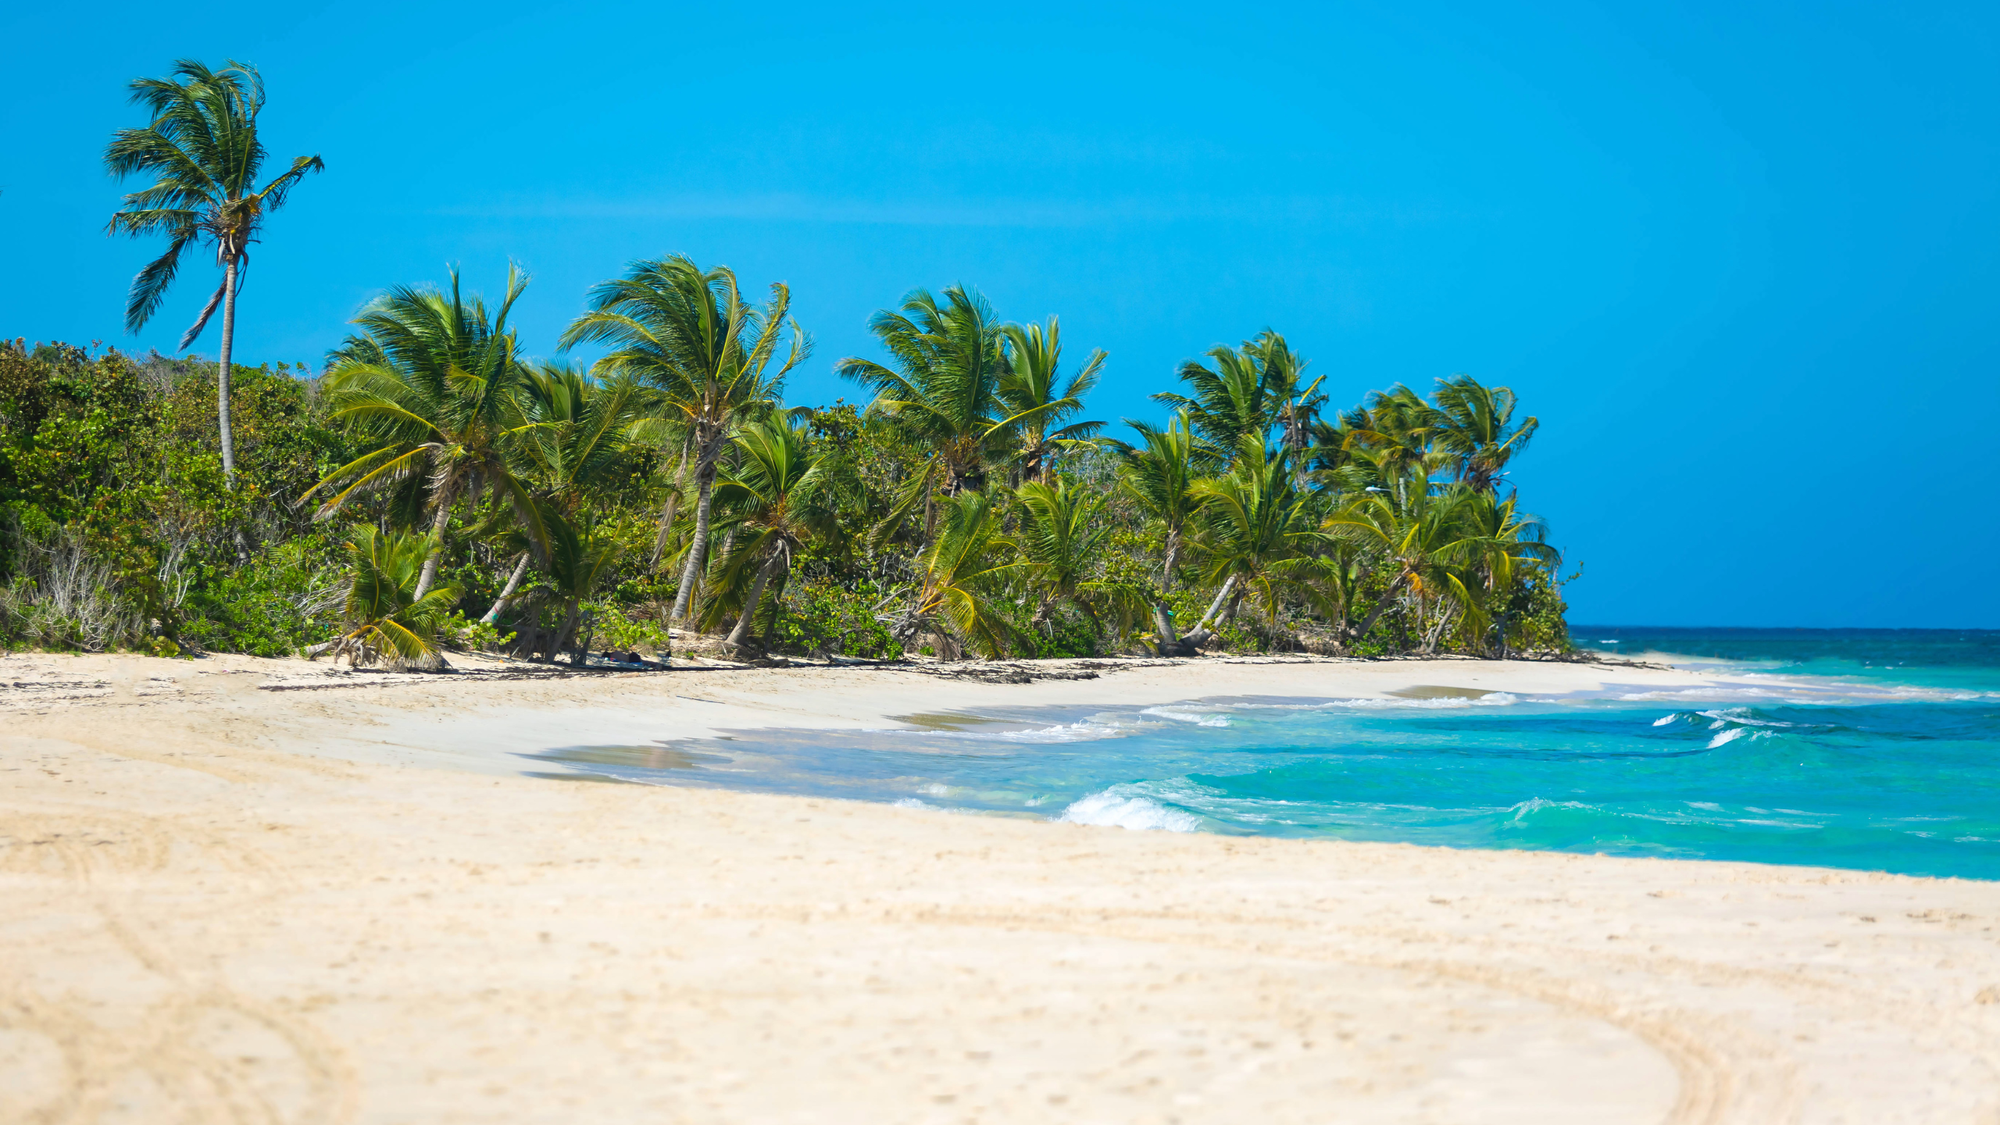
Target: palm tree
1159,474
688,333
1040,402
1475,424
1060,541
578,441
1387,445
1426,541
944,392
580,557
1254,529
203,149
1510,542
433,381
783,496
964,559
1297,403
1247,391
386,617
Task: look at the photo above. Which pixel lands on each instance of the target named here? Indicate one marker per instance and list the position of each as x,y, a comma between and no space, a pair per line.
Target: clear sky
1739,258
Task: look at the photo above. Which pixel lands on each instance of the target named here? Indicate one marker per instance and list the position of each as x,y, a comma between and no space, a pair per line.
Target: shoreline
346,905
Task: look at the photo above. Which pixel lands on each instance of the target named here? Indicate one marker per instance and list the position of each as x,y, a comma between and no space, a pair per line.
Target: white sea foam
1080,731
1536,804
1186,716
1124,806
1739,716
1664,720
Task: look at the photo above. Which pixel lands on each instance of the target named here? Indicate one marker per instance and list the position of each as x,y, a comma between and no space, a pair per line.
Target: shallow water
1877,750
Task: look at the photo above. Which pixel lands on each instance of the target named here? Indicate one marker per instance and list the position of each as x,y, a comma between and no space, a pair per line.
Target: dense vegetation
432,486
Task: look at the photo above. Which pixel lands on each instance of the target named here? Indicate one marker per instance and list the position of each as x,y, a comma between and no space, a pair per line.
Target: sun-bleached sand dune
339,903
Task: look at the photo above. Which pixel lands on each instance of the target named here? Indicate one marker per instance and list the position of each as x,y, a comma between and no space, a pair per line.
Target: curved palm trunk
704,478
1166,643
1206,629
507,594
1381,604
222,373
668,512
741,634
428,577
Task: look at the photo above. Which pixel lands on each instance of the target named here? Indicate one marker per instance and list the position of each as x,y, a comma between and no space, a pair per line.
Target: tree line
432,485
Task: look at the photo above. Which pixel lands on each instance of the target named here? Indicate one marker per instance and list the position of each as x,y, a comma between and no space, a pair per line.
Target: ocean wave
1738,716
1491,699
1127,806
1180,716
1084,730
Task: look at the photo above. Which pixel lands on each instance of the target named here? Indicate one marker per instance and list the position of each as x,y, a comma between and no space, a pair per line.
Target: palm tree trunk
1163,628
1205,629
442,520
567,634
1381,604
222,373
704,479
668,512
744,621
507,594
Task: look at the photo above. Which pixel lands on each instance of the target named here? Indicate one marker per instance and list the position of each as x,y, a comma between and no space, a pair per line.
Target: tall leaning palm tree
689,334
433,382
202,148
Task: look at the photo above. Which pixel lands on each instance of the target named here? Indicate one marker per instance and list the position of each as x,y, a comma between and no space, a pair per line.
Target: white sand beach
260,891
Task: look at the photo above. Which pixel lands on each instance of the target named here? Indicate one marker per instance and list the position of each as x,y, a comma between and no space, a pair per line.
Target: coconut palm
1247,391
581,556
1296,403
1254,528
783,496
1475,424
1510,544
943,393
576,443
203,149
1040,401
386,617
688,333
966,558
1426,542
1159,474
432,381
1061,541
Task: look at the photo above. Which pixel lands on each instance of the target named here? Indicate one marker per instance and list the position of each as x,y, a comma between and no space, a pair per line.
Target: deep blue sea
1869,749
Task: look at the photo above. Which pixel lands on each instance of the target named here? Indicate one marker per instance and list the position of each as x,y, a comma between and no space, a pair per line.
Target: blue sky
1739,258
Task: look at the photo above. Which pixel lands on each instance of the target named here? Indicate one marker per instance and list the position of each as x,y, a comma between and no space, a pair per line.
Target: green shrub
829,618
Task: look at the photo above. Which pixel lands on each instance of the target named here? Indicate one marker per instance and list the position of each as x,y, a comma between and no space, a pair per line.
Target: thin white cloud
799,208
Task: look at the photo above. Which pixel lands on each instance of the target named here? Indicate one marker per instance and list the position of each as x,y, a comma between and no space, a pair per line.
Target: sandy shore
253,891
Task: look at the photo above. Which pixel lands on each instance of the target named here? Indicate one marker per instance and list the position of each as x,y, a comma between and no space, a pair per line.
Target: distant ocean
1867,749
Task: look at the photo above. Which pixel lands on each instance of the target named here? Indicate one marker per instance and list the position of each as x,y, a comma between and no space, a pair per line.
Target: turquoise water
1877,750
